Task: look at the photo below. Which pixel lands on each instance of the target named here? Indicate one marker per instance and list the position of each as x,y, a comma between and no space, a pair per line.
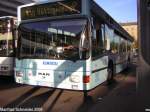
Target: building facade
132,29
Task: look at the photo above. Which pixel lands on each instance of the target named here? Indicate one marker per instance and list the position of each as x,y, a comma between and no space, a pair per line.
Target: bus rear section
54,53
6,45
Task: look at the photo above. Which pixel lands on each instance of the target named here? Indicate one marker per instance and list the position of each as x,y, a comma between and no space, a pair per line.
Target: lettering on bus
51,9
44,74
50,63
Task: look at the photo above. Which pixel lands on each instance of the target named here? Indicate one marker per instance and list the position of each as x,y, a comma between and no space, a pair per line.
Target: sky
120,10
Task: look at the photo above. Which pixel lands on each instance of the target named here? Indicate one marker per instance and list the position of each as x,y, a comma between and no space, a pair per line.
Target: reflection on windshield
51,39
6,42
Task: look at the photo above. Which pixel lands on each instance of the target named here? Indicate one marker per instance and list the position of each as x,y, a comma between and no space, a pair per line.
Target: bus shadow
10,86
55,101
16,102
37,101
86,105
90,100
112,84
7,82
130,70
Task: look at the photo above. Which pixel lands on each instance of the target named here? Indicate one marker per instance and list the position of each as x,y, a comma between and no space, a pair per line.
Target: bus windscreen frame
22,40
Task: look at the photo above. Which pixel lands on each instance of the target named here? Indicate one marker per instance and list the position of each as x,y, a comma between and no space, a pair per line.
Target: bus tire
110,72
128,62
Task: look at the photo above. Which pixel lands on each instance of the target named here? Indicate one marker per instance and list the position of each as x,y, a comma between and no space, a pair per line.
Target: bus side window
94,45
128,47
102,38
124,45
109,35
116,43
121,45
98,44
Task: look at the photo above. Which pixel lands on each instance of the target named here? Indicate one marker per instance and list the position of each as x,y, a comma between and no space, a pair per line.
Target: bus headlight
75,78
19,74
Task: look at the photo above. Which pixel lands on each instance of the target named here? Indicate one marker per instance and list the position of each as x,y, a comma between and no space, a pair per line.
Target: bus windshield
59,39
6,40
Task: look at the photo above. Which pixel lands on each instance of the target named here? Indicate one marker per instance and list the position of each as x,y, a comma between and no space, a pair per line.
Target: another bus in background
7,44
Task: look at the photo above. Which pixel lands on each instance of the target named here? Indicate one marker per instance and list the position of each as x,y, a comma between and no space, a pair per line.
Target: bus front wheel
110,74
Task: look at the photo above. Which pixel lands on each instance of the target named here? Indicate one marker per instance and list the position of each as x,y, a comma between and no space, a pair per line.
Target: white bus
69,45
7,43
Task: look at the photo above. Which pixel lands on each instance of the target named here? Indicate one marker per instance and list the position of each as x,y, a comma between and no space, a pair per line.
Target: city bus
7,45
69,44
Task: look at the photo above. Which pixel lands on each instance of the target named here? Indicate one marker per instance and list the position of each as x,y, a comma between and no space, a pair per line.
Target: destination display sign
62,8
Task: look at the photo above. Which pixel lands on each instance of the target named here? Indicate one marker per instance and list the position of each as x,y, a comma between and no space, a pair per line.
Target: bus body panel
99,68
121,62
52,73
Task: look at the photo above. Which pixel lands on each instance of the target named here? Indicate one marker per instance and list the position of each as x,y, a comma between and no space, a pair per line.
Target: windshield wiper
23,57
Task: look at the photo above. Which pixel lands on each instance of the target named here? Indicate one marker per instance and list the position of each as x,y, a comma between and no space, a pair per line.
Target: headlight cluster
75,78
19,74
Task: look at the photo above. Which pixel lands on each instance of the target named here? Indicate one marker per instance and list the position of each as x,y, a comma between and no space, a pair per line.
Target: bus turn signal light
86,79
